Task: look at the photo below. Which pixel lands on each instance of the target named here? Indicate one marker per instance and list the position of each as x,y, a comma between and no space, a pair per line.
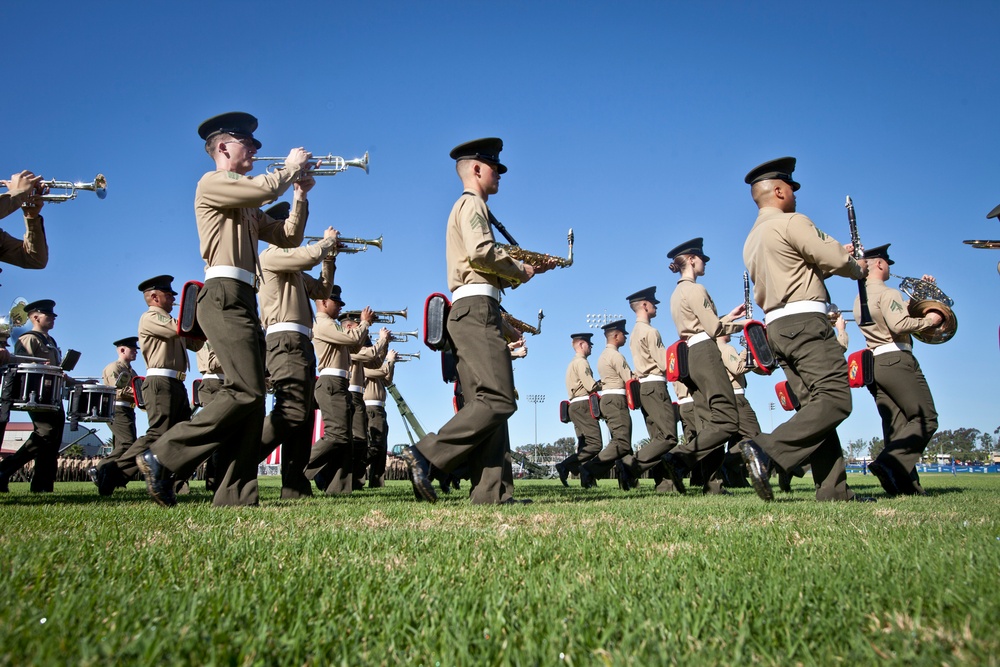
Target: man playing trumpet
230,223
903,399
290,358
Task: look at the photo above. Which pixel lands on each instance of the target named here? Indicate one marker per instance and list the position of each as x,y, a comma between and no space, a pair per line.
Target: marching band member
165,354
698,324
331,458
230,223
369,355
212,378
580,384
42,446
477,270
903,399
749,427
376,380
106,474
650,359
788,258
286,314
614,372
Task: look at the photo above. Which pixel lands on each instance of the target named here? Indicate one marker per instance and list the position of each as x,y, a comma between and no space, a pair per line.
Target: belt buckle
181,375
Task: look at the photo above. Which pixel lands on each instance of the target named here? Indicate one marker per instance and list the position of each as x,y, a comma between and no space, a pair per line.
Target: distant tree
960,444
875,447
855,448
73,450
642,443
561,448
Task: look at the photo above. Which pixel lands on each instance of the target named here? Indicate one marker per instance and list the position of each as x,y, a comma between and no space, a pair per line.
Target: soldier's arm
821,250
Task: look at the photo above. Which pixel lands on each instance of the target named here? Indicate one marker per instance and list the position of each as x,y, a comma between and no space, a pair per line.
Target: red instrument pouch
564,412
755,335
632,394
187,322
677,361
436,310
860,369
789,401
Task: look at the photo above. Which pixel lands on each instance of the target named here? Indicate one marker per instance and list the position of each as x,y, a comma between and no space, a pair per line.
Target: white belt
375,404
683,401
165,372
334,371
739,392
124,404
796,308
278,327
476,290
612,392
698,338
234,272
356,388
892,347
213,376
579,399
652,378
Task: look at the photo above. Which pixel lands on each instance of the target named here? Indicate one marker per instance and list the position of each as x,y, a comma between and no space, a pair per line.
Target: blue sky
632,123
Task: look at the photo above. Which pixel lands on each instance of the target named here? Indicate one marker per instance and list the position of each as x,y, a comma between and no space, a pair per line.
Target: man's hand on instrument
928,279
23,182
303,186
737,312
547,265
368,315
383,334
299,157
391,356
32,206
518,348
840,324
935,317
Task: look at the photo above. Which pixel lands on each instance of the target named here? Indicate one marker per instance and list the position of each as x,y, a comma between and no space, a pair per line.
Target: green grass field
577,578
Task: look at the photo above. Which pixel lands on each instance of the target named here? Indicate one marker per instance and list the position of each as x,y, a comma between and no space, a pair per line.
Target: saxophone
536,258
520,325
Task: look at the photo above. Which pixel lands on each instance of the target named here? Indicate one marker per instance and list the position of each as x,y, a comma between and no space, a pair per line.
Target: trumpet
15,319
833,312
98,186
381,316
347,245
327,165
402,336
406,356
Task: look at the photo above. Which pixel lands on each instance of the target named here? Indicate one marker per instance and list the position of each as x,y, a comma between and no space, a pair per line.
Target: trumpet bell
101,186
943,332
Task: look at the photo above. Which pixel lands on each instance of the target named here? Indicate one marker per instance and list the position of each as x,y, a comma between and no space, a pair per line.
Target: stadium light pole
536,399
598,320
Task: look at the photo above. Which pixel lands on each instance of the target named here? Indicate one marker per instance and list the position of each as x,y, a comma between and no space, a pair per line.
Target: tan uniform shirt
368,356
38,344
207,361
161,346
472,255
613,368
735,363
376,380
648,353
893,323
694,311
32,252
11,200
333,343
286,290
789,257
579,377
110,378
230,222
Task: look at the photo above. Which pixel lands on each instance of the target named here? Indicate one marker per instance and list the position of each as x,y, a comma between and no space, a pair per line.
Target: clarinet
859,254
748,305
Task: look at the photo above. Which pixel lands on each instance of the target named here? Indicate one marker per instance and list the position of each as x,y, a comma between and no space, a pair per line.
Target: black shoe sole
883,477
674,476
147,474
758,473
421,483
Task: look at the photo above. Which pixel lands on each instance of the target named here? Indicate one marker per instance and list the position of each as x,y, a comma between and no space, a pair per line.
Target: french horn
925,297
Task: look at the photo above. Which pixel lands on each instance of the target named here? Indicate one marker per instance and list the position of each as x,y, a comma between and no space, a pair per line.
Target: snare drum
37,388
96,403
